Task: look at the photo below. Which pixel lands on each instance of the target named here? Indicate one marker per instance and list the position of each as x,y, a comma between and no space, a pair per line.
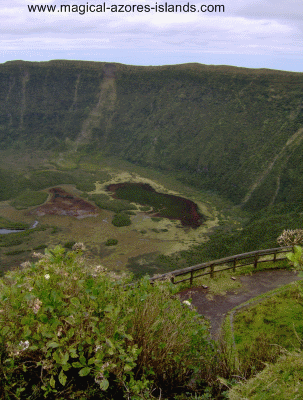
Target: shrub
68,330
111,242
69,245
291,237
121,220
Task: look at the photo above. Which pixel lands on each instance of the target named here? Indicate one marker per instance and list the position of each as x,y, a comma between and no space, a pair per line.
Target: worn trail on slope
252,285
292,142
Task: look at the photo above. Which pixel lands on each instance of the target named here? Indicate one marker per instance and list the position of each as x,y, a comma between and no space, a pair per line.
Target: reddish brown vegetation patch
63,203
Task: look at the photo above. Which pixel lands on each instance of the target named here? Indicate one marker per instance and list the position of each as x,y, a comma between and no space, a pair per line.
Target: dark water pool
164,205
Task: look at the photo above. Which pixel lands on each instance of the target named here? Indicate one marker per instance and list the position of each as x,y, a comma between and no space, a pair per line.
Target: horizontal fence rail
239,260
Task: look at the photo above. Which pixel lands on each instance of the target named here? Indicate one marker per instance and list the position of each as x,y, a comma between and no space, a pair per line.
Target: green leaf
108,308
91,361
82,359
70,333
4,330
52,344
43,318
104,384
127,368
66,367
84,371
27,332
56,357
62,378
73,353
109,343
75,301
77,364
64,358
89,340
52,382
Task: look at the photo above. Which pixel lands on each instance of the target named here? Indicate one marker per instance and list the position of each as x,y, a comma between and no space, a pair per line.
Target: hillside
233,130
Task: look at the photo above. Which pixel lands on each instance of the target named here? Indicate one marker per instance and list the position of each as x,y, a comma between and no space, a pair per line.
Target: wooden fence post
256,261
275,256
172,279
211,271
234,266
191,277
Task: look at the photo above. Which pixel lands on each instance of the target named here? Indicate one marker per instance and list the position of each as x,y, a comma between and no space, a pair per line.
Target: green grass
282,380
276,318
29,198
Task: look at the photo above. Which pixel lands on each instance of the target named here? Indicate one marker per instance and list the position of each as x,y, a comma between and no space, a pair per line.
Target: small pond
6,231
164,205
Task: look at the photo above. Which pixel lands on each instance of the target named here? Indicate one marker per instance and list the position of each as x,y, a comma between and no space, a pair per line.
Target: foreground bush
69,331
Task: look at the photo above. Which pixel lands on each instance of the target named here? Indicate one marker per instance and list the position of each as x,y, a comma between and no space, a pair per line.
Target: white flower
24,345
100,268
37,255
78,247
25,264
37,305
187,302
46,276
98,347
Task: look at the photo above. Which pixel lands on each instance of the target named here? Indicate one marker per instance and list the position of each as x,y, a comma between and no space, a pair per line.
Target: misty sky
258,34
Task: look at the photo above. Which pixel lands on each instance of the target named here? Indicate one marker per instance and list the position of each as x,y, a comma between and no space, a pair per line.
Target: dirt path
218,306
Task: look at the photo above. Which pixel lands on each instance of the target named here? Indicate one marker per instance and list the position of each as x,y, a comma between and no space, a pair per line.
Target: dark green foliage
14,252
11,184
69,245
40,247
111,242
29,198
121,219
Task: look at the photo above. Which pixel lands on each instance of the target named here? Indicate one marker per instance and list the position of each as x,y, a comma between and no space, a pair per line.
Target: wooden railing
240,260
